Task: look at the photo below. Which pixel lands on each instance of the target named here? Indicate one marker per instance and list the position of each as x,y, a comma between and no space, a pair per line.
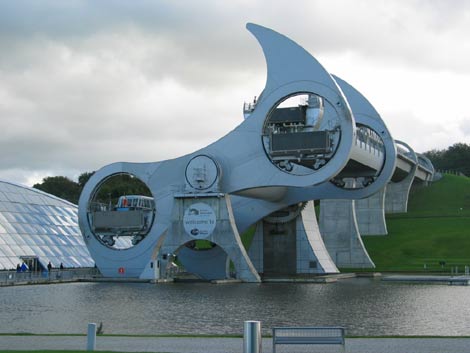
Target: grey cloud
59,110
203,42
30,176
421,134
465,127
80,17
87,83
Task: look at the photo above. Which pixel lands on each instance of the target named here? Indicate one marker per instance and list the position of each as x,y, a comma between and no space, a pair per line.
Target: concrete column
308,252
339,229
396,196
370,214
312,255
225,235
255,252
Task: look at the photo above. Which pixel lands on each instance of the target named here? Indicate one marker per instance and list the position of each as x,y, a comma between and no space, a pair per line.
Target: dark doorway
33,263
279,253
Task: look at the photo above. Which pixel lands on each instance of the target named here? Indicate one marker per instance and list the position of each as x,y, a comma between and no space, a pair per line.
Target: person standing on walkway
49,268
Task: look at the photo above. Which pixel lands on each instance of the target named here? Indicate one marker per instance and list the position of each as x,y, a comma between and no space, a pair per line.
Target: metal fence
55,275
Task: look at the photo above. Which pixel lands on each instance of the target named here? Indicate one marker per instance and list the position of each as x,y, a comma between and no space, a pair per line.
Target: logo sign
199,220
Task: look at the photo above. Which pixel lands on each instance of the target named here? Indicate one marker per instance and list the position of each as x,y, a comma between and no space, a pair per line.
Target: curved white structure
280,156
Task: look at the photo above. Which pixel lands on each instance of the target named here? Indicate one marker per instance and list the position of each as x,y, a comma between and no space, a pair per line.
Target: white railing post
252,337
91,337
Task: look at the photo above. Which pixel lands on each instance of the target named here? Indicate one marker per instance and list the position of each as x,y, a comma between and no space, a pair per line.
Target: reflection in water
363,306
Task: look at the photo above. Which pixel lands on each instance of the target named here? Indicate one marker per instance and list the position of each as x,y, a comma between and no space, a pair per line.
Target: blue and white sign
199,220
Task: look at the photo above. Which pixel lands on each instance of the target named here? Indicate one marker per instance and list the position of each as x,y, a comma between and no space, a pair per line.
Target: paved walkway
232,345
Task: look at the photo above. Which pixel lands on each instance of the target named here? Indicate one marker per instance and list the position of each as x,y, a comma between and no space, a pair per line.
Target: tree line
109,191
64,187
455,158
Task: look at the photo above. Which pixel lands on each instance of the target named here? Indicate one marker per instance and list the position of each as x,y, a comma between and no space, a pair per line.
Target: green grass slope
436,229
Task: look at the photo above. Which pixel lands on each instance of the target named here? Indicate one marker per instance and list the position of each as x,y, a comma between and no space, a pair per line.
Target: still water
363,306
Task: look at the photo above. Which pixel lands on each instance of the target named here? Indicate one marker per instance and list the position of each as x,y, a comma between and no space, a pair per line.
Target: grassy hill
435,229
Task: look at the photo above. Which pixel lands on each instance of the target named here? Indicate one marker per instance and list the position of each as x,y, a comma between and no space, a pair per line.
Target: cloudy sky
87,83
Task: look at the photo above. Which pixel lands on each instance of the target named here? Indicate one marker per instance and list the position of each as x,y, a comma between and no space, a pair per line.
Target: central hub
202,173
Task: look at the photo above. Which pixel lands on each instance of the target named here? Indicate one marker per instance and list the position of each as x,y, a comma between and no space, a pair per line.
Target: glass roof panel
7,251
33,223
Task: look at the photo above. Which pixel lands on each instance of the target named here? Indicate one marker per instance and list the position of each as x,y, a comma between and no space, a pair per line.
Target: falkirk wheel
309,136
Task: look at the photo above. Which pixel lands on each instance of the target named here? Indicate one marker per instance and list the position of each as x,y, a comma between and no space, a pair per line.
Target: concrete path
232,345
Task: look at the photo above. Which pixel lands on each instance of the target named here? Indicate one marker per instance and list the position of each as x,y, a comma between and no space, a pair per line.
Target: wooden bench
308,335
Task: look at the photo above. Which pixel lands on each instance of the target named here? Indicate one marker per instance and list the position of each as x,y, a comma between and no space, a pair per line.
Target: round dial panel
201,172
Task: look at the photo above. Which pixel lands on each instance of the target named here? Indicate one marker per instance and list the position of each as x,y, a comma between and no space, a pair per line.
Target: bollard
91,337
252,337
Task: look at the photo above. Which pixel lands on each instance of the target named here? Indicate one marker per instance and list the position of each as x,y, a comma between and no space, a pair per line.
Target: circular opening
425,162
200,245
121,211
301,133
404,149
358,176
286,214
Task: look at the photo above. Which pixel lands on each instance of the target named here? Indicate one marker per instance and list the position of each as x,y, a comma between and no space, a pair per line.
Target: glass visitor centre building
38,228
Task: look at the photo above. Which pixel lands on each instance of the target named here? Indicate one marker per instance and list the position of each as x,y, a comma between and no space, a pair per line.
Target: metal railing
55,275
368,141
308,335
451,171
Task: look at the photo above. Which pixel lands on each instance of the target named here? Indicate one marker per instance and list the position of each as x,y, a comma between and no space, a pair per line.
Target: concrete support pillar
224,234
255,252
312,255
370,214
339,229
309,252
396,196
